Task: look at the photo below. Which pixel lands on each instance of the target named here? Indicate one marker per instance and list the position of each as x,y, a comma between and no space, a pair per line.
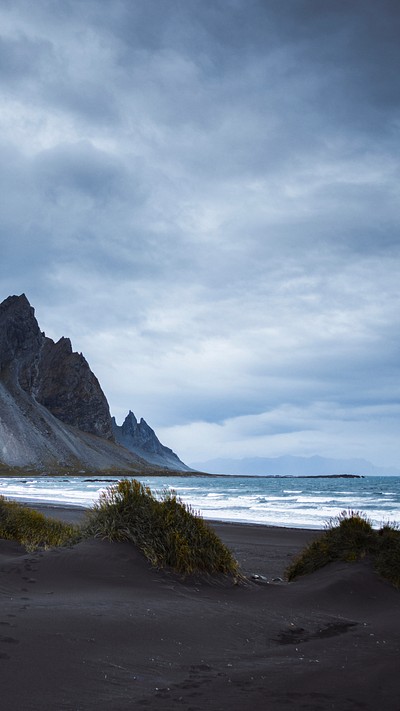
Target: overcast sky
204,196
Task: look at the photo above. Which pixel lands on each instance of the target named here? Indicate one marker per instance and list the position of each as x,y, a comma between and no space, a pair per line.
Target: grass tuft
32,529
167,531
350,537
387,555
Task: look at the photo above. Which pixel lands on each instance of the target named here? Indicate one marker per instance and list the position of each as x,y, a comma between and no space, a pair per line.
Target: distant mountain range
293,466
54,416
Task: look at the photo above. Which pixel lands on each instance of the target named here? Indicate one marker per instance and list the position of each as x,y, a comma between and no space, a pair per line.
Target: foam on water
271,501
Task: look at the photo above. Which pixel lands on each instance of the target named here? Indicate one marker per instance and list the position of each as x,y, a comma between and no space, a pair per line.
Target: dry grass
351,537
32,529
169,533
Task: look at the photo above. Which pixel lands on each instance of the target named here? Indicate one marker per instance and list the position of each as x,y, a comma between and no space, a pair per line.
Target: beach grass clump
32,529
387,554
350,537
167,531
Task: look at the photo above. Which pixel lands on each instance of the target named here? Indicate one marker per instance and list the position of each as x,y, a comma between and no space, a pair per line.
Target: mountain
293,466
140,439
53,412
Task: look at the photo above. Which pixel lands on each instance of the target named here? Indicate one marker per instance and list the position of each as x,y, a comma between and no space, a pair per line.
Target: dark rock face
139,438
66,386
52,373
142,436
53,412
20,341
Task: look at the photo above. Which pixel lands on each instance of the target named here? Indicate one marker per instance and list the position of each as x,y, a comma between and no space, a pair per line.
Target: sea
296,502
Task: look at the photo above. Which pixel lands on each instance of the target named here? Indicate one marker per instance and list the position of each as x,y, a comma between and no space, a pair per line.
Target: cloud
359,432
205,199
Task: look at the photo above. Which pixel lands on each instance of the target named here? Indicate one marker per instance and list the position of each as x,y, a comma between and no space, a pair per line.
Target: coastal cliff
53,412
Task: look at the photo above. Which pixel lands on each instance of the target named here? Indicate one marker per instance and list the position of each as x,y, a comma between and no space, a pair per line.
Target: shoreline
309,506
70,512
112,632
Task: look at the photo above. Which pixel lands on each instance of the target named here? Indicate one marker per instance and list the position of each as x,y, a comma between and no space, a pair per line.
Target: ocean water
292,502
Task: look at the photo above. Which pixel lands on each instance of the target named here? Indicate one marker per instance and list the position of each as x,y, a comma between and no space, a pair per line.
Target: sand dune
95,627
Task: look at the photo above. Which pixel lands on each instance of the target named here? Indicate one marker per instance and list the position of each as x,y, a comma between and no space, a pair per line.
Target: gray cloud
204,197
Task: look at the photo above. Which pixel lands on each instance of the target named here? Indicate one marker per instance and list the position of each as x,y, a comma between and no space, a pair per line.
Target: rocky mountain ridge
49,372
141,439
53,412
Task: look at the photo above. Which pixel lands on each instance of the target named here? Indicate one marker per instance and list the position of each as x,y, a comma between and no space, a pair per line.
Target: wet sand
95,627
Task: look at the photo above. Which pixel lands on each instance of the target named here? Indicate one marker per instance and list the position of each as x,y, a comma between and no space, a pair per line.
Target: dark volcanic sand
95,627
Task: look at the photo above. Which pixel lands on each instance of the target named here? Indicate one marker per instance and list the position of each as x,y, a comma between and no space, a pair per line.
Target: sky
204,196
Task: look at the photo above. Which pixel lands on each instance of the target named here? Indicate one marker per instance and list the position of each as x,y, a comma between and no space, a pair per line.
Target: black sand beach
95,627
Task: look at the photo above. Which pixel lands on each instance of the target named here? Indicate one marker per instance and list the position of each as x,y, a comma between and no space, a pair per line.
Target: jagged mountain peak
141,439
130,421
20,300
20,335
52,408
